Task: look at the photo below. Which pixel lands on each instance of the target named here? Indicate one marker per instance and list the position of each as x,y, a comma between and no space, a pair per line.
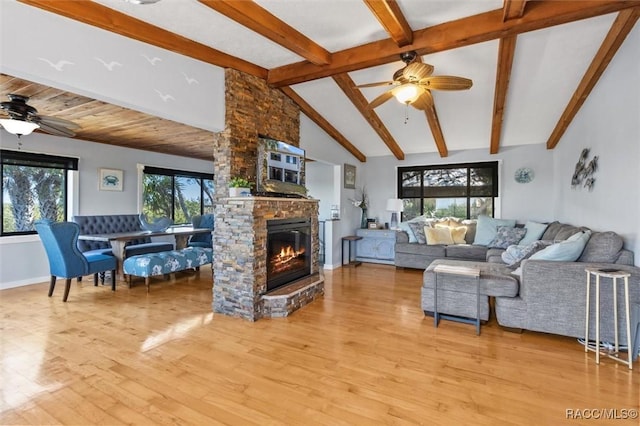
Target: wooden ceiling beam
513,9
449,35
349,88
310,112
506,50
624,23
100,16
258,19
392,19
436,130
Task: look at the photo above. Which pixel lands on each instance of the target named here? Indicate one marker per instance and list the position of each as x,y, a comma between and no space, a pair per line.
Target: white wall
608,124
22,258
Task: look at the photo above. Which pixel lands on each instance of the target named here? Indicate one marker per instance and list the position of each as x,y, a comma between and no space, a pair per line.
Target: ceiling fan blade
446,82
417,71
381,99
57,131
381,83
424,101
55,121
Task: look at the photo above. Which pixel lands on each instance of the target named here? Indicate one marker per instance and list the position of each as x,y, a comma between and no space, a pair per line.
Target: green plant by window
238,182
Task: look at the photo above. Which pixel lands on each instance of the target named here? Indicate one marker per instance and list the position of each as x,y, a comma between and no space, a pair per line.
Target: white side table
614,275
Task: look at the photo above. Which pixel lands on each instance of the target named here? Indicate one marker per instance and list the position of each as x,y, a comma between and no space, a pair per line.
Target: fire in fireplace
288,251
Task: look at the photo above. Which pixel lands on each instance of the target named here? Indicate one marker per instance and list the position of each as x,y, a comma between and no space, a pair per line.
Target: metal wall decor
583,174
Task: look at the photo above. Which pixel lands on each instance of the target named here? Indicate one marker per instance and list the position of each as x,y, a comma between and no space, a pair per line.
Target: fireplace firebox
288,251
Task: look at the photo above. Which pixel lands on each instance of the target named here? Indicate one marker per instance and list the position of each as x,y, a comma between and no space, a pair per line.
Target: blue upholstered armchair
60,240
202,240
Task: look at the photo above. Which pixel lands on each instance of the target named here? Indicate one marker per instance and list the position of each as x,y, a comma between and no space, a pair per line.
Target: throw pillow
534,232
404,226
515,254
418,231
438,235
565,251
458,233
487,227
506,236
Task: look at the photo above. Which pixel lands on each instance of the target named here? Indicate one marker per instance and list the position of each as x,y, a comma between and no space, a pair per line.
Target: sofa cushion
487,227
535,230
467,251
507,236
565,232
470,235
421,249
602,247
438,235
565,251
551,231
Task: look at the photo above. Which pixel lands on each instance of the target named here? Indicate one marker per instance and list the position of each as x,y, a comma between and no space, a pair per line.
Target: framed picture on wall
349,176
110,179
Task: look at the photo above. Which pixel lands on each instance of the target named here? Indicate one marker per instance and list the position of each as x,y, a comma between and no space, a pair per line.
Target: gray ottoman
457,293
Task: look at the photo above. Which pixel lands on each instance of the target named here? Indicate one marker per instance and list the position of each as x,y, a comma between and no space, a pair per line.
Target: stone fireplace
288,251
242,250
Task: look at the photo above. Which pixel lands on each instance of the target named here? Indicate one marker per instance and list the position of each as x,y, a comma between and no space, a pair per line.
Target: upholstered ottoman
166,262
457,293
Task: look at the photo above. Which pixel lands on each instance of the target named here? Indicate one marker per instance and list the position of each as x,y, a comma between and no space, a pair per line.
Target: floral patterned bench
166,262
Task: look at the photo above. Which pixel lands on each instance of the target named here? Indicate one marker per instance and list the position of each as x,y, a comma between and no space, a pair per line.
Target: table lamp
394,205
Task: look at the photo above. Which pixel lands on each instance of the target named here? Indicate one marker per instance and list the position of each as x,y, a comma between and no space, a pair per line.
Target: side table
614,275
456,270
350,239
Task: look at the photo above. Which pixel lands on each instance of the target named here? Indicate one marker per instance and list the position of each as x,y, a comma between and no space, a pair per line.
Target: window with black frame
464,190
177,194
34,186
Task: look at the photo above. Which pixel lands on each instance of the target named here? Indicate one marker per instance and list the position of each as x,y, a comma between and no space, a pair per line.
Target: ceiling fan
24,119
413,84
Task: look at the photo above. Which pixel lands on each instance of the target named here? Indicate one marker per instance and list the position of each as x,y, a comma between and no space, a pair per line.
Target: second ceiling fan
413,84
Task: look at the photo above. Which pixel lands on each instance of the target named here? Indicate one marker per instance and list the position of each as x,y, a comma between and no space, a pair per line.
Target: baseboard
22,283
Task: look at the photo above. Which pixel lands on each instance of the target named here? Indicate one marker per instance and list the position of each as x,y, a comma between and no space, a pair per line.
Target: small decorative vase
363,219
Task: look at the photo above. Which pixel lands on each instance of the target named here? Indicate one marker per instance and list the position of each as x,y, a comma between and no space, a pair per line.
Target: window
457,190
176,194
34,186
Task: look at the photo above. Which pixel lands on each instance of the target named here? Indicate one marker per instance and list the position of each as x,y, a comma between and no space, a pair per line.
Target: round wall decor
524,175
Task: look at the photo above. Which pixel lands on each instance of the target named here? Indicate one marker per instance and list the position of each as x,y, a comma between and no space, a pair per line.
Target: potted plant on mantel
239,187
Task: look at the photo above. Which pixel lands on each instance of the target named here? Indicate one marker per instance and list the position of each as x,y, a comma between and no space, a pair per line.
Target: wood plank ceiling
142,131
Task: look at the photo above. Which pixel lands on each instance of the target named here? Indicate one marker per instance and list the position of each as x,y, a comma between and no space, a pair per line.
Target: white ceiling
548,66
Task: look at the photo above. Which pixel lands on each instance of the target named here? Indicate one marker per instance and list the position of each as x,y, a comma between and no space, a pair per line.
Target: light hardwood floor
364,354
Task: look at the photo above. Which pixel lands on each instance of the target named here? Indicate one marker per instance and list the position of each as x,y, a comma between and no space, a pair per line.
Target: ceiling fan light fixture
18,127
407,93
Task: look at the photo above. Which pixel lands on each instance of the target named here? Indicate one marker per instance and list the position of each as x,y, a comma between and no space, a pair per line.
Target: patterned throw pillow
507,236
418,231
514,255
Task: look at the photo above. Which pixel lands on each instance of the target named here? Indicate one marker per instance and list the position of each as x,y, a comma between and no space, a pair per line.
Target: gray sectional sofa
541,295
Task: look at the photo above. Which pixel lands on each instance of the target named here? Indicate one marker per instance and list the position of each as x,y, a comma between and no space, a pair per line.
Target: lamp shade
395,205
18,127
406,93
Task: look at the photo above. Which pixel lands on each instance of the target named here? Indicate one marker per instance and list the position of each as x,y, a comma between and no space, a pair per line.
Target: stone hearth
240,258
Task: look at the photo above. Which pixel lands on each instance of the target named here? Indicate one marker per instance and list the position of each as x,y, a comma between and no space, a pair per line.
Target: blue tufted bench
166,262
110,224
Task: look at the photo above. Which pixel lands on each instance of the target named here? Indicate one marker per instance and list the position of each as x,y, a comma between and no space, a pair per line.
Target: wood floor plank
362,354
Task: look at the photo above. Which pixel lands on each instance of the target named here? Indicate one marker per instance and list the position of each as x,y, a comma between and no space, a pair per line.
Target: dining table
118,240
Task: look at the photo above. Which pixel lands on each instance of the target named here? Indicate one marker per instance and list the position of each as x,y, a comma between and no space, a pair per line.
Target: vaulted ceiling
533,64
